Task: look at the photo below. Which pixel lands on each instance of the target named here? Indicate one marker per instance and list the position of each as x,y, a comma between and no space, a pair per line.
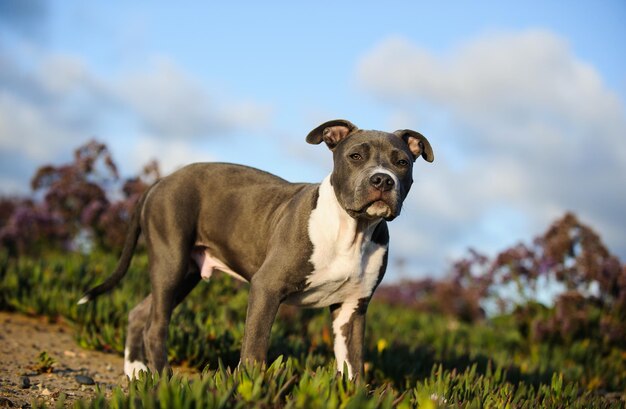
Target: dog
309,245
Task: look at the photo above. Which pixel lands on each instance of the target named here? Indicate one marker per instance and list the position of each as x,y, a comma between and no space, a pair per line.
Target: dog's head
373,170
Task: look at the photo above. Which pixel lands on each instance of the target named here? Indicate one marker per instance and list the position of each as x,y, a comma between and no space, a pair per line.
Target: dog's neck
332,223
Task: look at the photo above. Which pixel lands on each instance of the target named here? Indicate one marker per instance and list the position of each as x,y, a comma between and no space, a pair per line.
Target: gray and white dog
311,245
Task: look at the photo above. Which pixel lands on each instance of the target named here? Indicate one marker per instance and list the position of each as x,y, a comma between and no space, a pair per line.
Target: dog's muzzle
381,187
377,197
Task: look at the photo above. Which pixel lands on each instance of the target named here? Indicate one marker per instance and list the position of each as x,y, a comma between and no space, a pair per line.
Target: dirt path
23,338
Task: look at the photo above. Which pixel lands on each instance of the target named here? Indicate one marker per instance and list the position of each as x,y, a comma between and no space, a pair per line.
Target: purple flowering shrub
569,256
75,202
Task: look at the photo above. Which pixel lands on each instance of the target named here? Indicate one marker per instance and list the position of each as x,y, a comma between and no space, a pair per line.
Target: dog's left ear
331,132
418,144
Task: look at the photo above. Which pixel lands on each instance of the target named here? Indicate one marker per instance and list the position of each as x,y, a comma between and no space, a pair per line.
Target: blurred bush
80,204
569,262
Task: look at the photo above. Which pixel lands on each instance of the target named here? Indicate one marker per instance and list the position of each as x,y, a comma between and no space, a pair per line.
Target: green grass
412,359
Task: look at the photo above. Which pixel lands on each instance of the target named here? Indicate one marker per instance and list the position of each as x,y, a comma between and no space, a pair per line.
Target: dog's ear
331,132
418,144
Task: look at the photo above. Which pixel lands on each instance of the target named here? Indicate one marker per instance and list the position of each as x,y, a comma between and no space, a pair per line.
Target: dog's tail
134,230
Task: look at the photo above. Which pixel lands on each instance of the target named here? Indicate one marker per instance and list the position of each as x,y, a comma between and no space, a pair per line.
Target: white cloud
62,75
509,74
50,103
19,123
537,133
171,154
42,108
168,101
496,81
171,103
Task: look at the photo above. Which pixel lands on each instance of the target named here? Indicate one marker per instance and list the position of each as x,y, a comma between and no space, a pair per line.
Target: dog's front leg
263,305
349,332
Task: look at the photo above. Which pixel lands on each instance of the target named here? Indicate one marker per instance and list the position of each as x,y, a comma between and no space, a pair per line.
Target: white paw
132,369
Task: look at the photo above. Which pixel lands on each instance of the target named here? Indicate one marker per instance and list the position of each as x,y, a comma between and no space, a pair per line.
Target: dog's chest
346,262
342,276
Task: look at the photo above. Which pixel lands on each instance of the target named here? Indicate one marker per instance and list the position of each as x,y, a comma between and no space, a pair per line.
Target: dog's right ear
331,132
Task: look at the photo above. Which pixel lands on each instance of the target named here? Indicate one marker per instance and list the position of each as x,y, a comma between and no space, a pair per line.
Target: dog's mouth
376,207
379,208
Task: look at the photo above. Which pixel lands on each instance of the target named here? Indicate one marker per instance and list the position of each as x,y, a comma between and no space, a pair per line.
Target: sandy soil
23,338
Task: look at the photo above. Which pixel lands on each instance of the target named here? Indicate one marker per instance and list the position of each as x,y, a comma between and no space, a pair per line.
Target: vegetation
413,357
44,363
476,338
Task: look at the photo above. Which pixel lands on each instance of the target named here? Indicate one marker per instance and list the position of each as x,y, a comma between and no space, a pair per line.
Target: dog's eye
356,156
403,163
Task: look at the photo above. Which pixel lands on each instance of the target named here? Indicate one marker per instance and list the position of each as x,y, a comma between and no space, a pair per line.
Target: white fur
132,369
341,347
381,169
346,262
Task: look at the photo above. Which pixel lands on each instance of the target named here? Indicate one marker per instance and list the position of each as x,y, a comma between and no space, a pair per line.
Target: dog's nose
382,181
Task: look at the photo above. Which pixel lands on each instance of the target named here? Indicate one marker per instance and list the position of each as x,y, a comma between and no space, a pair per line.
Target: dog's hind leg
135,358
134,354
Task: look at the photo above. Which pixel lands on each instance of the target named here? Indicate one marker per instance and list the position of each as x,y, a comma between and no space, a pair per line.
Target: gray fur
259,226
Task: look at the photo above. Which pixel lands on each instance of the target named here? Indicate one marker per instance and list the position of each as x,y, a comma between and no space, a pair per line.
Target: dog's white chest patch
346,262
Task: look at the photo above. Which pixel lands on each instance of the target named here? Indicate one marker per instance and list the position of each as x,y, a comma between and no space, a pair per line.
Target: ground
23,338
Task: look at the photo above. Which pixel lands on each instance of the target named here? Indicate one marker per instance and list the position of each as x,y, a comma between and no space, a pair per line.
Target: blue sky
523,102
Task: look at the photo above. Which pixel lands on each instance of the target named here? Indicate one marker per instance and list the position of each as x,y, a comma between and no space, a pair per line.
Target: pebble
24,382
84,380
6,403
